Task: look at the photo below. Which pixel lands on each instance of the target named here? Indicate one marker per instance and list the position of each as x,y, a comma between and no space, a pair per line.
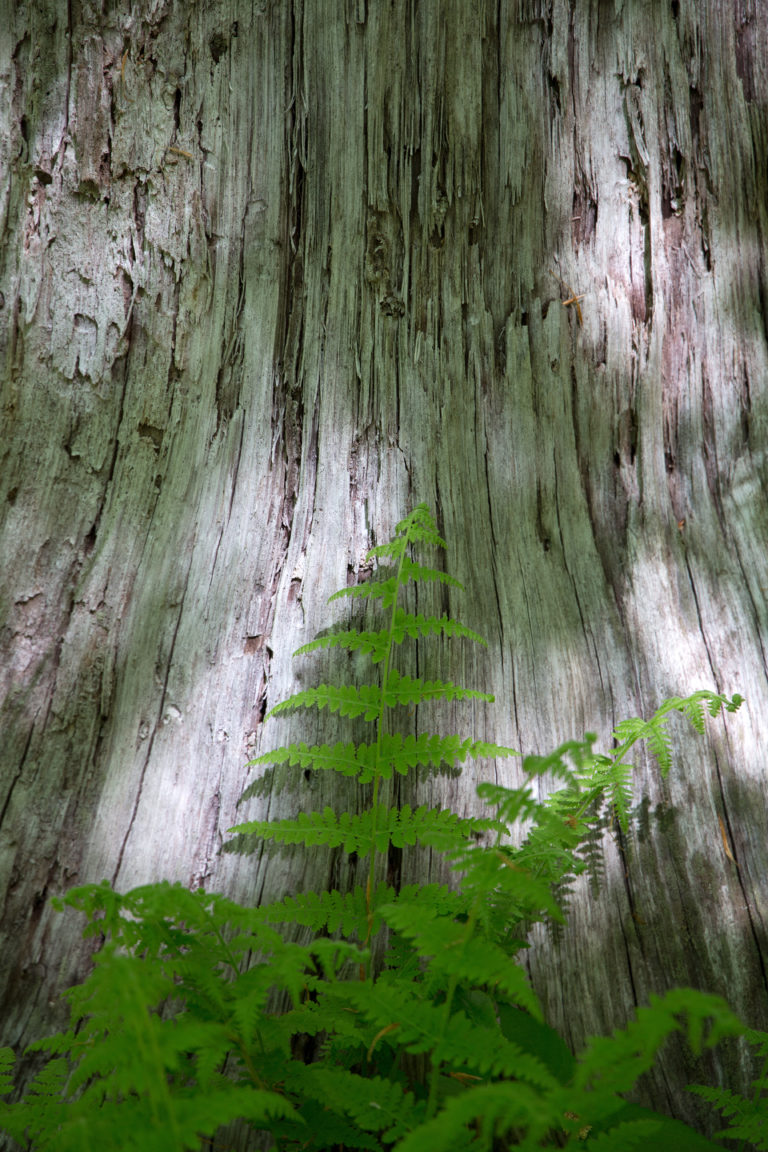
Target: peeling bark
271,274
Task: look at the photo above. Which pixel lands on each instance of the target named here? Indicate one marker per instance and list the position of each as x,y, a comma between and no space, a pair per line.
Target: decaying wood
273,272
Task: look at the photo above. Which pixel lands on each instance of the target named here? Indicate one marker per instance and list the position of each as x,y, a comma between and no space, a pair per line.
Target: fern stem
380,735
251,1067
434,1074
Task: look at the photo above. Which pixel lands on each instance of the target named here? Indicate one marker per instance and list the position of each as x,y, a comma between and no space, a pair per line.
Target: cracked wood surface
273,272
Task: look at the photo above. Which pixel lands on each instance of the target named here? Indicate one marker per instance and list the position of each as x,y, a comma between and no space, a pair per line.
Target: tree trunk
274,272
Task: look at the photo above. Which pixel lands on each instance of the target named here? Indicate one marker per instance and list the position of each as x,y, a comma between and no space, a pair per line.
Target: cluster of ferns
406,1022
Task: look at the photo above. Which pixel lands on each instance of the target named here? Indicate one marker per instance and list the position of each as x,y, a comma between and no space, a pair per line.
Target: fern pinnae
629,732
386,590
192,977
413,525
346,699
378,644
364,700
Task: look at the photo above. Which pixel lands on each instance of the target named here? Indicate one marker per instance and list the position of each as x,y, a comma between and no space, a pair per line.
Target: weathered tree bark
272,272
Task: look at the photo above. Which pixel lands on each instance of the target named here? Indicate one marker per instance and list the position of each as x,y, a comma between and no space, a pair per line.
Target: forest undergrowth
386,1018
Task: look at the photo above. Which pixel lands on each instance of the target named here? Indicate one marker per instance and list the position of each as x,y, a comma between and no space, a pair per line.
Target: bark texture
271,273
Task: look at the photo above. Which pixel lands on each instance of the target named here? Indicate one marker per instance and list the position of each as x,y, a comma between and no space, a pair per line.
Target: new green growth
200,1012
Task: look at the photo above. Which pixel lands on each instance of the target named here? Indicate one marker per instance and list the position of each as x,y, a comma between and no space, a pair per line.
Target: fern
365,700
748,1119
200,1011
369,832
378,760
378,645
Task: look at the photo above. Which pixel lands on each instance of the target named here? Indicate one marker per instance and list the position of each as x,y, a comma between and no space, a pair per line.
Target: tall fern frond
200,1011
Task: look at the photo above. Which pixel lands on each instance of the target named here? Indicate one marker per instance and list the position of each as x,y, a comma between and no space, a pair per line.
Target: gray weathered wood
273,272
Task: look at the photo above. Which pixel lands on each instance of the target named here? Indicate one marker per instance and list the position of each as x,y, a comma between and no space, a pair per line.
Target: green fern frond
378,644
333,1128
758,1041
7,1062
374,1103
628,732
508,886
346,699
511,804
608,779
131,1125
411,571
392,550
493,1110
693,708
747,1119
418,1025
660,744
619,789
387,590
453,951
373,830
624,1137
365,700
50,1081
615,1062
211,1057
419,528
407,691
434,898
331,911
346,759
668,1134
384,590
716,703
631,730
373,644
396,753
127,1052
415,626
42,1111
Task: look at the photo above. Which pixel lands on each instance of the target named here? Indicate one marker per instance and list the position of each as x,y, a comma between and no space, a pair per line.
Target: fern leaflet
370,831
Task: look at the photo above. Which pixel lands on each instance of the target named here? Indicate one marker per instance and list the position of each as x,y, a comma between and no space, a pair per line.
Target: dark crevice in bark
755,611
139,787
762,290
236,469
19,772
757,931
625,939
229,376
494,552
394,866
70,48
710,454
